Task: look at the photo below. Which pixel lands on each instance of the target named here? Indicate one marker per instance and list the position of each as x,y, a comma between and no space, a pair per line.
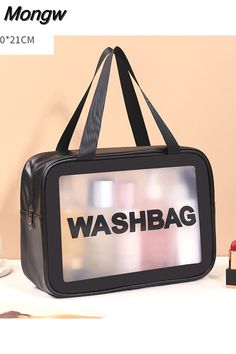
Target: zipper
30,203
30,216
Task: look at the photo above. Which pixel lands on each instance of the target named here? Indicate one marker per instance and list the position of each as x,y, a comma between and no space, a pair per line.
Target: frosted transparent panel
128,221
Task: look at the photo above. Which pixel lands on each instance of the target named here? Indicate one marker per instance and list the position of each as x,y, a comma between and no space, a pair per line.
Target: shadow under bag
100,220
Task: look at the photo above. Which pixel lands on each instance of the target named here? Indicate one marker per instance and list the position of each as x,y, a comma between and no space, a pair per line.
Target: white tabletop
191,313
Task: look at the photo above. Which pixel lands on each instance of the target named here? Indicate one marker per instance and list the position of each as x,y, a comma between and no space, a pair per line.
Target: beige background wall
190,80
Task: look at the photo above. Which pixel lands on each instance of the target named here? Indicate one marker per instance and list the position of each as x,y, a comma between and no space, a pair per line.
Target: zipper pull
30,217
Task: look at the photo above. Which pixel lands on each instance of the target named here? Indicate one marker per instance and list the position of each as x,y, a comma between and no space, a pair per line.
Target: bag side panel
203,157
32,258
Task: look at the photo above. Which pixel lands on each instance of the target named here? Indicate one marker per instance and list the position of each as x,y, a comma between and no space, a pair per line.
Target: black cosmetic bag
100,220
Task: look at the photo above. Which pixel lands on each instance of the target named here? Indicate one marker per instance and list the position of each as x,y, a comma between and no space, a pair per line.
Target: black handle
92,128
132,106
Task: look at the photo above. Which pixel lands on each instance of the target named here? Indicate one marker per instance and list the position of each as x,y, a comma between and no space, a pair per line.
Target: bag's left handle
65,139
131,102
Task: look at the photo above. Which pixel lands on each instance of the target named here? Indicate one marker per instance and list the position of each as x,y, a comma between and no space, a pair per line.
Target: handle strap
92,128
132,106
131,102
168,137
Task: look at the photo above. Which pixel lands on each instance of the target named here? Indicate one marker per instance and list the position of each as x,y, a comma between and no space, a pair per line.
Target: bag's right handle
170,140
92,128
